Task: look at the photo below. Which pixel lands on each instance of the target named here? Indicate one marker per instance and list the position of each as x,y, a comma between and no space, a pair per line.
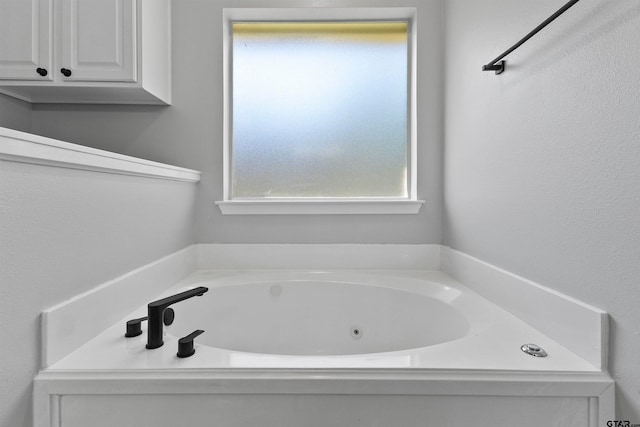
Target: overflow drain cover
534,350
276,290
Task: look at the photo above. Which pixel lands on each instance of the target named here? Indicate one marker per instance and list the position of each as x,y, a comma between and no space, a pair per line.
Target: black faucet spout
156,310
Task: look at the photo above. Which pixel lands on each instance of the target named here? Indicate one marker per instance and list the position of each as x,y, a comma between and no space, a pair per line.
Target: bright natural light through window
319,110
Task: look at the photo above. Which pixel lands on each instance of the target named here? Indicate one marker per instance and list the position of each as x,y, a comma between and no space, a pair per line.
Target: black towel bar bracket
499,65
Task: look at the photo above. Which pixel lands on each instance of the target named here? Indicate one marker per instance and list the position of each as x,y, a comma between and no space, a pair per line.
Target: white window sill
320,207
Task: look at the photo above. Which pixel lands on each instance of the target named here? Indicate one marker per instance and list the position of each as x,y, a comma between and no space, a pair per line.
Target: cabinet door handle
66,72
42,71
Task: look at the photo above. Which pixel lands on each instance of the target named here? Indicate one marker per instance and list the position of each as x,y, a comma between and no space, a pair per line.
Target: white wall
62,233
189,133
542,163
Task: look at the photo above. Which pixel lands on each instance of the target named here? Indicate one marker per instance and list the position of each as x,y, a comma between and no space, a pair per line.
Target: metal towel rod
498,64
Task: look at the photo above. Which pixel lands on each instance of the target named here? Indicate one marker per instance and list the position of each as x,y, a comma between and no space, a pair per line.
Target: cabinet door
26,39
97,40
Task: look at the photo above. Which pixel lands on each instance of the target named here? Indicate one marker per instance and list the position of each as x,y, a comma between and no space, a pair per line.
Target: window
319,111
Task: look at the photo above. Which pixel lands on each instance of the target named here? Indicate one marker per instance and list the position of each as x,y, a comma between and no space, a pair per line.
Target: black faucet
156,310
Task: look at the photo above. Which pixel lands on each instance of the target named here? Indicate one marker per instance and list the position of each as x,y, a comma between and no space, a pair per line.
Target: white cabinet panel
322,411
25,39
97,40
86,51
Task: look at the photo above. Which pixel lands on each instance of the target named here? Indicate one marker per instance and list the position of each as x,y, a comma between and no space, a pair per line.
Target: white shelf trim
23,147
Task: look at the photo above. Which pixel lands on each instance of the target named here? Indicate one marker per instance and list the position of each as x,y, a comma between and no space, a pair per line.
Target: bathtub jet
156,310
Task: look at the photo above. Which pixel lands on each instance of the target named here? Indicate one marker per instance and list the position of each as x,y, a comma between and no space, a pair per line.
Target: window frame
299,205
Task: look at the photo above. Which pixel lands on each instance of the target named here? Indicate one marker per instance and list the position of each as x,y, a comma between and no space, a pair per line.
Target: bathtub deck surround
471,355
407,319
237,373
580,327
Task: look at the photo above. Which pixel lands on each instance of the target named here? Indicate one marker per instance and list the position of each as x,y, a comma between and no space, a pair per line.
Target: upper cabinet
25,39
86,51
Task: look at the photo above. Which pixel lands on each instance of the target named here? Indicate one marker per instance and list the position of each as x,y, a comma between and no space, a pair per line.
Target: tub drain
534,350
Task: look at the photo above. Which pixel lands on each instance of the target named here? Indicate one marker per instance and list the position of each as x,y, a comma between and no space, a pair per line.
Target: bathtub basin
323,317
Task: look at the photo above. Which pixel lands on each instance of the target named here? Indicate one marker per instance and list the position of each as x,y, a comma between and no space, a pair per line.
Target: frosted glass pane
319,110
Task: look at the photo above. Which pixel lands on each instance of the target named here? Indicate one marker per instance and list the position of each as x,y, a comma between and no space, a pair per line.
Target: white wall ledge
23,147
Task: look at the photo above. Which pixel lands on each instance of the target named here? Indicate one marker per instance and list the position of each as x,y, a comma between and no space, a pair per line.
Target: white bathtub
296,319
309,348
321,314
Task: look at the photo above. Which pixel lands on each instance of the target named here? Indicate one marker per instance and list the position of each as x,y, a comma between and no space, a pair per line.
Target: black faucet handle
185,344
134,327
168,316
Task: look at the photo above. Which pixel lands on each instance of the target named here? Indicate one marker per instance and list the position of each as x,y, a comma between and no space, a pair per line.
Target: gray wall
64,232
542,163
15,114
189,133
